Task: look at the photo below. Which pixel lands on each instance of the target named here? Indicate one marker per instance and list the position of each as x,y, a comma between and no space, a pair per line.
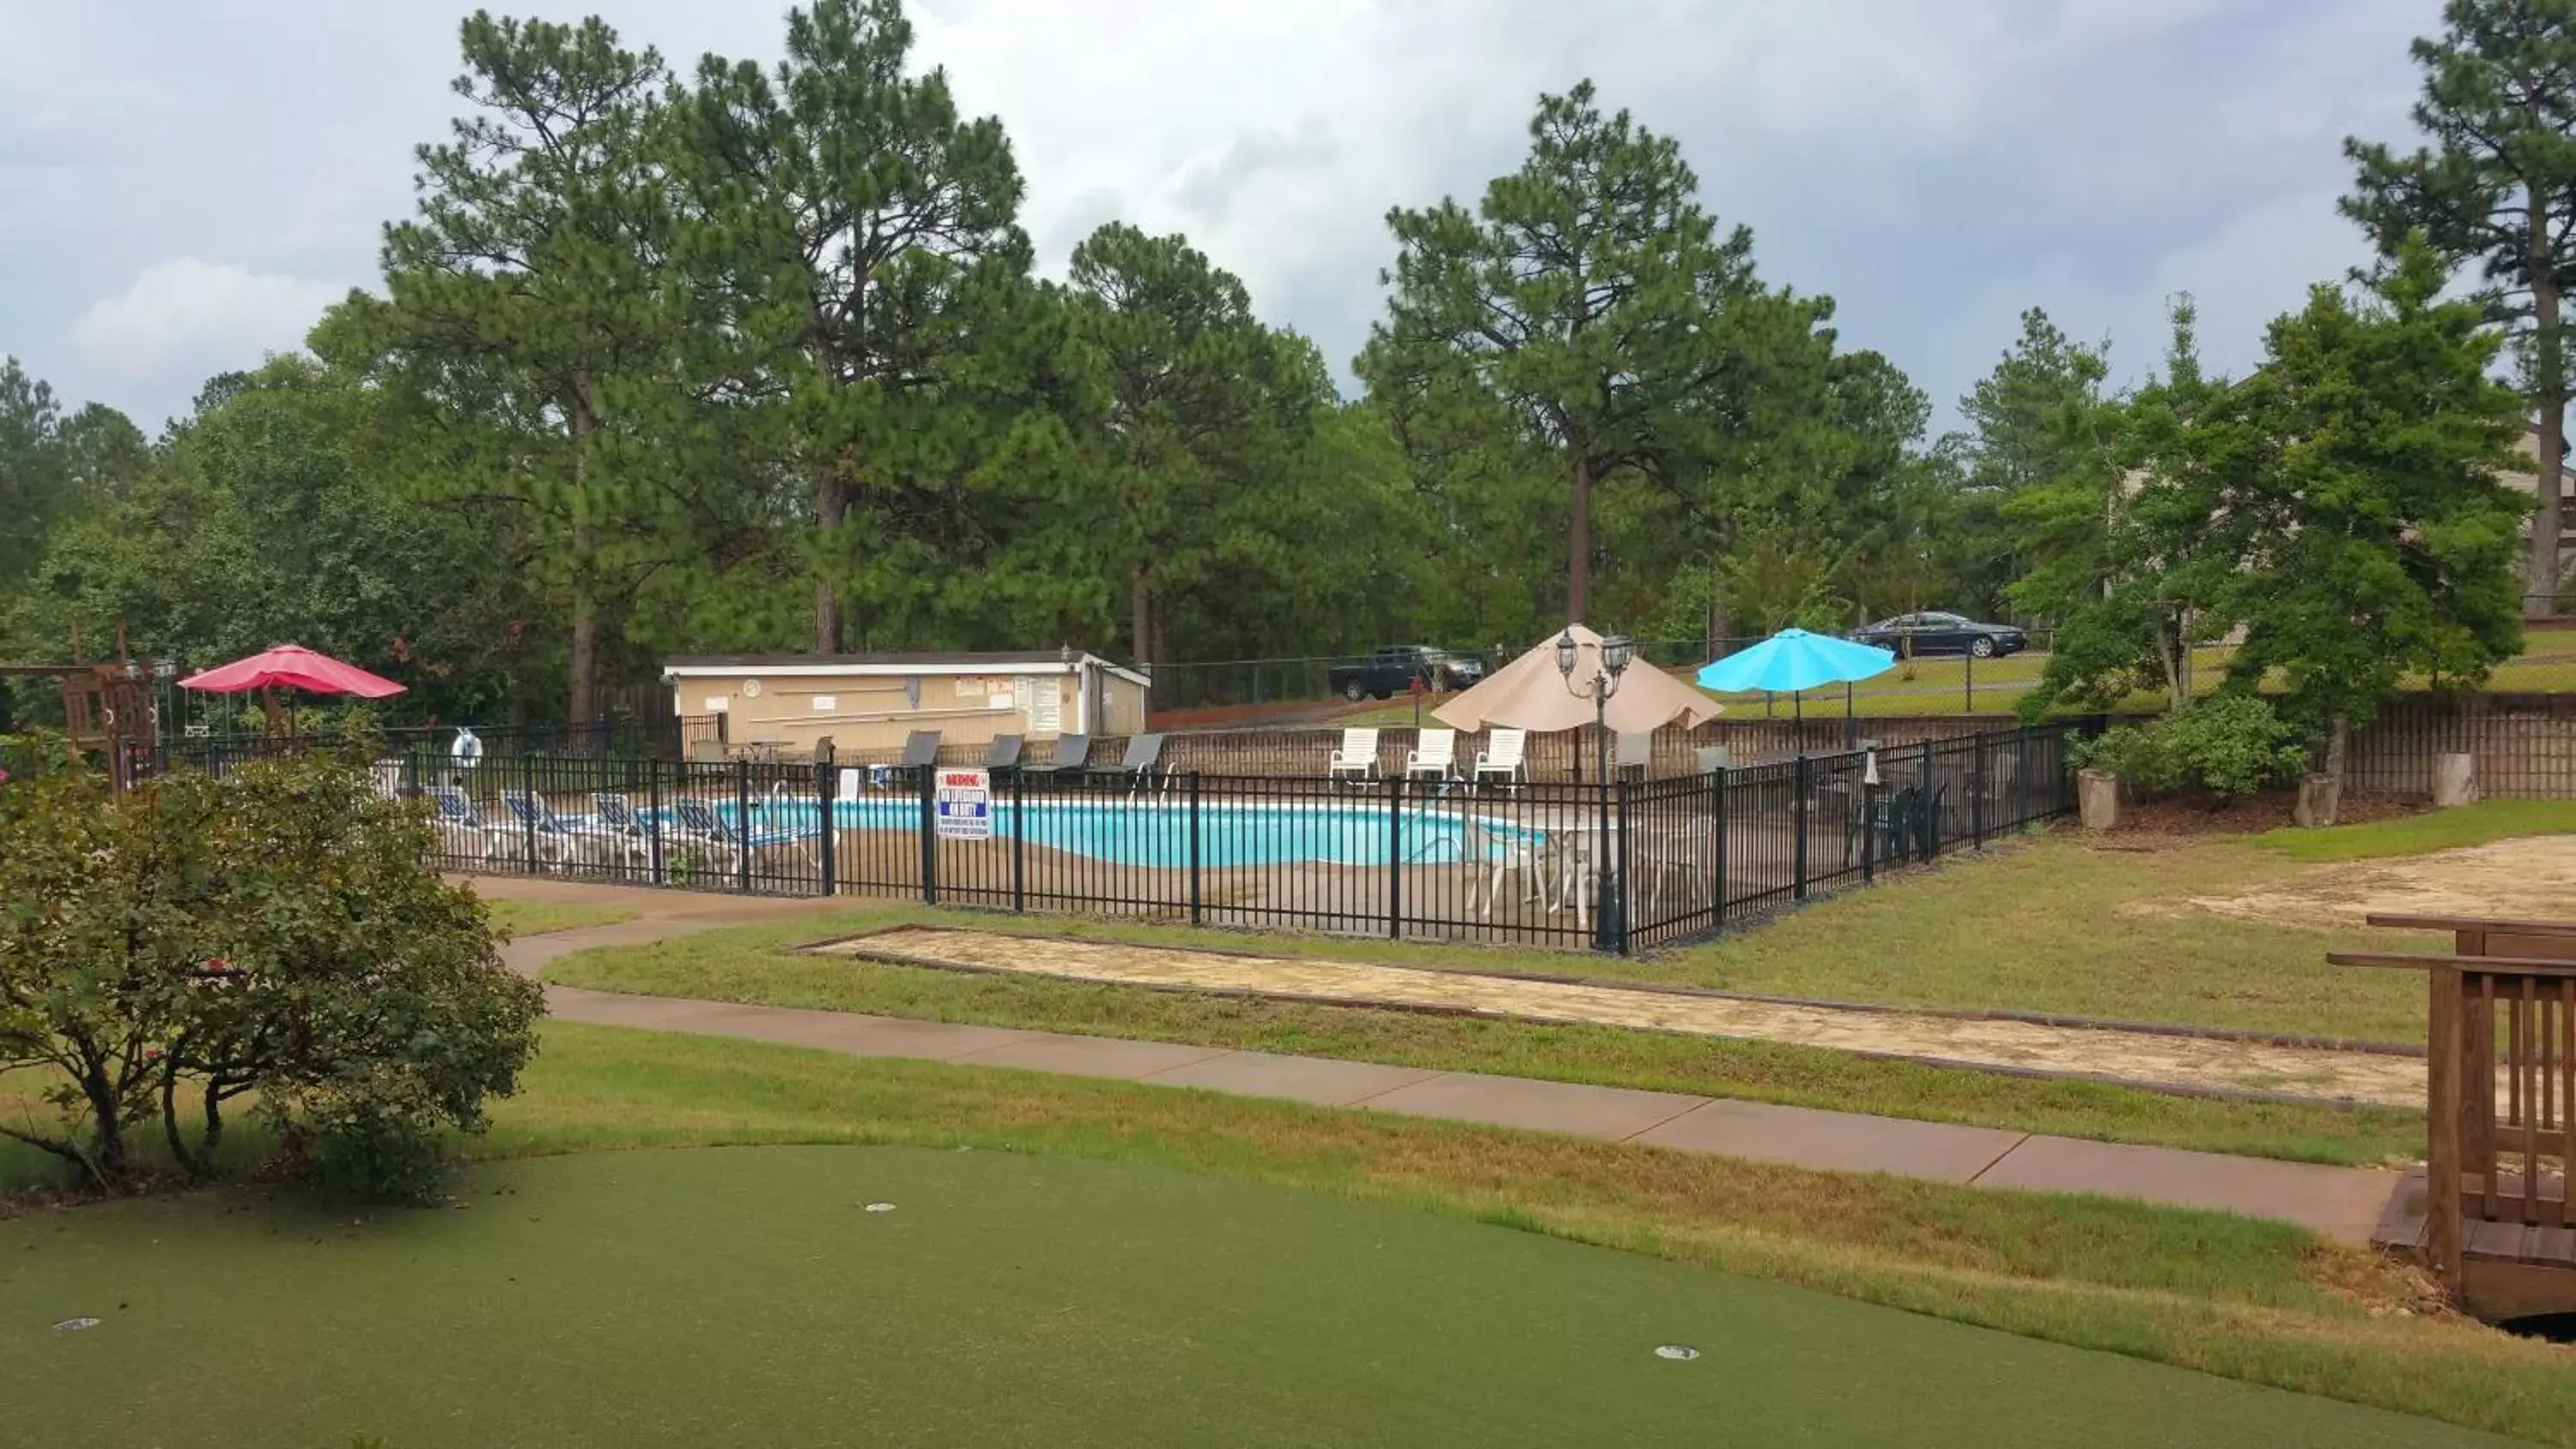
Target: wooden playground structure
2490,1213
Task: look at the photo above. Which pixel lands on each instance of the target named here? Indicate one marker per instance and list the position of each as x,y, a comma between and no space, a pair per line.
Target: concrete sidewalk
2341,1203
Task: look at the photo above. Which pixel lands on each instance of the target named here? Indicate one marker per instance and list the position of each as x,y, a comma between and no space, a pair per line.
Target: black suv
1934,633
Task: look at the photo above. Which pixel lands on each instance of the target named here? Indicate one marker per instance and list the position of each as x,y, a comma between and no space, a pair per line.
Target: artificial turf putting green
743,1296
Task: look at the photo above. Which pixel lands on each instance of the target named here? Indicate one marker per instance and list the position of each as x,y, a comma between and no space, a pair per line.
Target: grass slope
2479,824
540,918
744,1297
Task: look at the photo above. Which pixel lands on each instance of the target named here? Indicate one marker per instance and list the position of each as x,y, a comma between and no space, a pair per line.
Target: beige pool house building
871,702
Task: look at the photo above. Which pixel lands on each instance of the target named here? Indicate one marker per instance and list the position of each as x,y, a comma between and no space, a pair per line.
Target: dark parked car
1935,633
1394,667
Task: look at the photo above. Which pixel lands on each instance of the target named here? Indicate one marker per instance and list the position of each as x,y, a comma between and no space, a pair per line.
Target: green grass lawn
2051,924
2488,820
1103,1250
539,918
757,965
744,1297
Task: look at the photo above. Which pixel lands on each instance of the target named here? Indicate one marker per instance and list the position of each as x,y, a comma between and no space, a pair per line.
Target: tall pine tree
2497,187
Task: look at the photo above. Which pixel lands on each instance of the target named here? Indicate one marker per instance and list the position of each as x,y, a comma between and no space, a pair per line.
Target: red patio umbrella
294,667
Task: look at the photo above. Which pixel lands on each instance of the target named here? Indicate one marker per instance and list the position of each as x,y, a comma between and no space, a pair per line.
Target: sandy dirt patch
2524,878
2145,1058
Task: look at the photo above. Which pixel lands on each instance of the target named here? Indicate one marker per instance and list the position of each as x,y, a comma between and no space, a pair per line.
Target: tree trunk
1140,616
585,543
831,505
584,704
1578,570
2550,379
2169,654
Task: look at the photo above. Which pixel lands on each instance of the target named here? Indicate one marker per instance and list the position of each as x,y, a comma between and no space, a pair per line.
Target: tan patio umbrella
1530,694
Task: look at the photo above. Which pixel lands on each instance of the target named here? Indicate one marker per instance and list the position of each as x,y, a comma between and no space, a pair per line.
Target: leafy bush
2139,754
2228,746
2233,744
170,948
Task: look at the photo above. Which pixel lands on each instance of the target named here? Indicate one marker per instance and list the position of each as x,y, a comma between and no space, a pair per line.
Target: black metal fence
1639,863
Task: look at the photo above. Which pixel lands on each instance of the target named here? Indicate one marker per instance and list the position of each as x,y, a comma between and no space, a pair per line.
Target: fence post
1868,834
1395,857
1624,927
929,837
831,826
1969,691
1019,844
1977,787
1717,832
528,818
653,820
1197,915
742,825
1927,835
1801,807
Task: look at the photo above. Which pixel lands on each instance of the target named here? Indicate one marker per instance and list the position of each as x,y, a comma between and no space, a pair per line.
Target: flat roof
935,662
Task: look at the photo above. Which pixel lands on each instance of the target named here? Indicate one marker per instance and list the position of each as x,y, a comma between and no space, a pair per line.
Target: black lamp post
1608,925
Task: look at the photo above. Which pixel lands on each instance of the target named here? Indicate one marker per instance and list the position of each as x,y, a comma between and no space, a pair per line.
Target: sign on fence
965,805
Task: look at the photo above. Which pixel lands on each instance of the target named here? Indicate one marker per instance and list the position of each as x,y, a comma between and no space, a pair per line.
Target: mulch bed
2183,820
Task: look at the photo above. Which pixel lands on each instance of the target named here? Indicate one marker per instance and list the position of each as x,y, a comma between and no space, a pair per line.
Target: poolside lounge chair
1635,751
706,752
622,829
1144,752
462,830
1072,755
1434,755
536,830
1003,753
734,846
387,776
1356,758
1711,758
921,750
1501,756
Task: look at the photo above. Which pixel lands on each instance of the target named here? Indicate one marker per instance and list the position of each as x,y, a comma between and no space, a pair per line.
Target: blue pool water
1155,831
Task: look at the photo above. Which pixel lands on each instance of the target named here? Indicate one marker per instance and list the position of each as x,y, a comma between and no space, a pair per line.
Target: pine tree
2497,187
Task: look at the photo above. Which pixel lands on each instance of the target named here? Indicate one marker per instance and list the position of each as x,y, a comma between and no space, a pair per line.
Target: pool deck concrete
2340,1203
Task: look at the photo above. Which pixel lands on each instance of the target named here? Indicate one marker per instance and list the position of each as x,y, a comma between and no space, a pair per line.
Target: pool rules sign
965,805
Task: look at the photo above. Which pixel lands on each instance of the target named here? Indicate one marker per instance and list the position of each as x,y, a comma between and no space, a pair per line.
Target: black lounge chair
921,750
1144,752
1072,755
1003,753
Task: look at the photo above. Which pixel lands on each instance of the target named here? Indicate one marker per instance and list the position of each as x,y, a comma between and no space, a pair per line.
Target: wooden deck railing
2501,1075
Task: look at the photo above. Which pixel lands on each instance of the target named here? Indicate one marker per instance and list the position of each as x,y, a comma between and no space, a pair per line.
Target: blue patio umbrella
1794,660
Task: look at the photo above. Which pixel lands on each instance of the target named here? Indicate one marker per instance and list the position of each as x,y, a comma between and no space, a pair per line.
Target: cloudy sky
185,183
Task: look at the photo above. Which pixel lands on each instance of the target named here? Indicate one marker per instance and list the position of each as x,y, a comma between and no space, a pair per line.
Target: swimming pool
1154,831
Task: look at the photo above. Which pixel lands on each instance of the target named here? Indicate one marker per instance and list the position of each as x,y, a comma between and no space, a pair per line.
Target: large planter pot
2320,797
2097,799
2455,780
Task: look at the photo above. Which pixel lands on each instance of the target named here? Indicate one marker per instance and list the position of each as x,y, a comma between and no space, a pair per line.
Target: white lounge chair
1501,756
1356,758
1434,756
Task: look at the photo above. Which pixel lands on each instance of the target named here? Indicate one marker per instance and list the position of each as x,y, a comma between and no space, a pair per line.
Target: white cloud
211,315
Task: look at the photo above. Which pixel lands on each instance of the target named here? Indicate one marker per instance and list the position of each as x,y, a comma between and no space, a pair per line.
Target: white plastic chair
1494,851
1356,758
1434,757
1502,756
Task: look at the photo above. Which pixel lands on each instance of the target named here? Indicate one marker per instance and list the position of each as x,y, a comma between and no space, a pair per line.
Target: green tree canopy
2359,463
1574,302
2496,186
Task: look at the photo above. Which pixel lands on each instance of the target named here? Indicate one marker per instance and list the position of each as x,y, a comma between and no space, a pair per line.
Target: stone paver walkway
2144,1058
2341,1203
